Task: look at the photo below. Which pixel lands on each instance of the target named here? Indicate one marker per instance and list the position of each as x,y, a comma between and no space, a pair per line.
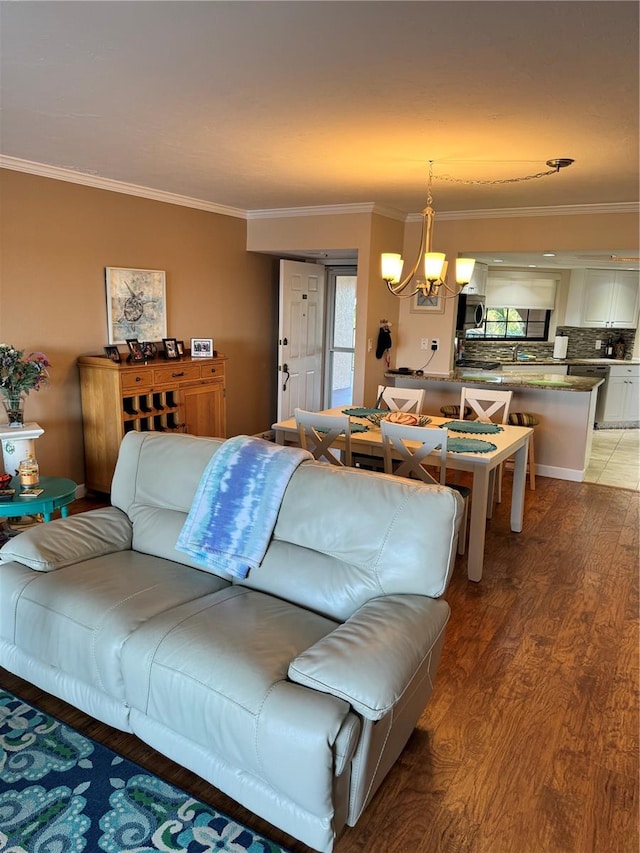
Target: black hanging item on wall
384,341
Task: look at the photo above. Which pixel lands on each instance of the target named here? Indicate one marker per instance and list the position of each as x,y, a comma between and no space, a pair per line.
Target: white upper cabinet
520,289
610,299
478,284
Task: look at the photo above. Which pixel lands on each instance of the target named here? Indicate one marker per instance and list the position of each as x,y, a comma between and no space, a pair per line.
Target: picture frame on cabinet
180,346
113,353
149,350
421,304
136,304
170,348
135,350
201,347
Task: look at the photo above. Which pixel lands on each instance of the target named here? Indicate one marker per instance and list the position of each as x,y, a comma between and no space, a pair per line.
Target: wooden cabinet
610,299
186,395
622,395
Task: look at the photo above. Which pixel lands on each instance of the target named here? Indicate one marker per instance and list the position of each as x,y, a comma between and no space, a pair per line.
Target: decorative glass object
14,407
29,472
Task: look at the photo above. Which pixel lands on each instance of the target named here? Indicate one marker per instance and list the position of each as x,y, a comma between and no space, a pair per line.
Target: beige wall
56,239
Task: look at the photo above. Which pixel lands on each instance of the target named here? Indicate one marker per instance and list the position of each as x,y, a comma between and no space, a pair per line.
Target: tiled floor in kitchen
615,458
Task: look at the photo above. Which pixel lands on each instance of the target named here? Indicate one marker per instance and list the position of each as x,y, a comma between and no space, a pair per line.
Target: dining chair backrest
487,404
401,399
413,456
319,432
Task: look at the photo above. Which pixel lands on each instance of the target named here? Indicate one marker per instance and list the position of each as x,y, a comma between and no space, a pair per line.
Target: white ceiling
262,105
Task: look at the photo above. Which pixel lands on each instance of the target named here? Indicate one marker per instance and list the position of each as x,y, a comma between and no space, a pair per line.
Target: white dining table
510,441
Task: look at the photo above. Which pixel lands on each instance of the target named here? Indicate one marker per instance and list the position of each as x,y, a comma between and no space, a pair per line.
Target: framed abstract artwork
136,304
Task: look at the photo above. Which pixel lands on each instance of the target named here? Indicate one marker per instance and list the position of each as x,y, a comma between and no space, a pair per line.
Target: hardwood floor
530,741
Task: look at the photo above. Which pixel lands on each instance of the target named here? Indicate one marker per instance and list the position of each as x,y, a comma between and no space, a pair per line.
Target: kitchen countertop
547,361
543,381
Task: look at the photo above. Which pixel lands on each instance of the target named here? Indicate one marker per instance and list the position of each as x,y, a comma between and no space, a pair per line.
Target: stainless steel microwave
470,312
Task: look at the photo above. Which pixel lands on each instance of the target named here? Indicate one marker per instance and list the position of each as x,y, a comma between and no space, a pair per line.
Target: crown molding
68,175
519,212
71,176
319,210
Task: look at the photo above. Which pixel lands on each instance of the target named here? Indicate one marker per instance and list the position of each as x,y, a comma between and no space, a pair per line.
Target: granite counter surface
543,381
567,361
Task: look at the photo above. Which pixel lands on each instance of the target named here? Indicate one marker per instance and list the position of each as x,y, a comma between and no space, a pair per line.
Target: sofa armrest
64,541
371,659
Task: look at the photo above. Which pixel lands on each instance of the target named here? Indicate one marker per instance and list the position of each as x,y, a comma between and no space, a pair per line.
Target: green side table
58,494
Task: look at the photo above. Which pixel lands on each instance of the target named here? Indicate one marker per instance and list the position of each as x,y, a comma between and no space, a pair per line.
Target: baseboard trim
574,474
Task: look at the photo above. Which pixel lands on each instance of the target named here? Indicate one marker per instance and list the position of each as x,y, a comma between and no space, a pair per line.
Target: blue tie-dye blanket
236,504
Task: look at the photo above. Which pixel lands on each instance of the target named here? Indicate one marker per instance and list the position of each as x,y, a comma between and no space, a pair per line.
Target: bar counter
564,405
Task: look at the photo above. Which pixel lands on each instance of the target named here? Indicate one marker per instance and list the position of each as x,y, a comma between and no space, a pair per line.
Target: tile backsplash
582,344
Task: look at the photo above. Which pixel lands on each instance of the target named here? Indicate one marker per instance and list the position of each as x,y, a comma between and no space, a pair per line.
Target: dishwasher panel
593,371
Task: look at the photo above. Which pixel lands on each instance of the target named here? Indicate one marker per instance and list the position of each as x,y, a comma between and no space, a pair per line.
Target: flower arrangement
21,374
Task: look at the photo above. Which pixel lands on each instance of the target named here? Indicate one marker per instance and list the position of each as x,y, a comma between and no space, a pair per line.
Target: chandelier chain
453,180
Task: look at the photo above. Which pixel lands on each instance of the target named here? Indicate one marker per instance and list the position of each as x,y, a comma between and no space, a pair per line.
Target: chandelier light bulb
433,264
464,270
392,264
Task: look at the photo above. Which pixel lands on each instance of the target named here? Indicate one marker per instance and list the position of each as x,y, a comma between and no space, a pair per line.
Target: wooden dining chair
489,405
317,434
412,460
401,399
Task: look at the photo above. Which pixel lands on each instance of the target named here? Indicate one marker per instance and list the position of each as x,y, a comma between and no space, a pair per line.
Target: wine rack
186,395
163,415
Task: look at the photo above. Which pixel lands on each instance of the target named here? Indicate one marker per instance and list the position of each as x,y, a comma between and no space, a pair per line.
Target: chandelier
433,279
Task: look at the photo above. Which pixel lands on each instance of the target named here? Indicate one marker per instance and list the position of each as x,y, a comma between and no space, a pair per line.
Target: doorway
341,336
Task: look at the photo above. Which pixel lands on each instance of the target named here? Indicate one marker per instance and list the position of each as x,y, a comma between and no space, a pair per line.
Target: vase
14,407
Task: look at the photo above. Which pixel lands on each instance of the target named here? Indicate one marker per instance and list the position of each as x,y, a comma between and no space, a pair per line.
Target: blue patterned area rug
61,792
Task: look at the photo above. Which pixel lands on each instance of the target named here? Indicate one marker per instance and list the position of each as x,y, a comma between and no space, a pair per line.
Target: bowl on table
406,418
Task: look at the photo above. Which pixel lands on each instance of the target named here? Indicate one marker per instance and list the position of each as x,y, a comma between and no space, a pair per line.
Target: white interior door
300,337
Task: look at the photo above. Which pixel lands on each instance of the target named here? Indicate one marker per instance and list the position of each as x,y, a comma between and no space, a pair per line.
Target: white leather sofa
294,690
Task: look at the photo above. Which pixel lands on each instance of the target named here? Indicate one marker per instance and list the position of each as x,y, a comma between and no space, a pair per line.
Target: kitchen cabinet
622,394
478,284
607,298
185,395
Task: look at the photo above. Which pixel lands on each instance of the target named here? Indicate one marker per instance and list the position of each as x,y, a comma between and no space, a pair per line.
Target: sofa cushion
65,541
77,618
401,539
154,483
155,469
215,671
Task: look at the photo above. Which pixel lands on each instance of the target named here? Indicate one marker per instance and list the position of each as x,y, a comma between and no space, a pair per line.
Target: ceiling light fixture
435,263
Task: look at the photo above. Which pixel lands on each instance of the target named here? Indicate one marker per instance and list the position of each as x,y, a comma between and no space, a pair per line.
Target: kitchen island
565,406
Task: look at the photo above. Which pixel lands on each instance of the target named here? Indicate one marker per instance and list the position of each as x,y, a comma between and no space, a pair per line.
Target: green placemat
354,428
470,445
471,426
363,412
